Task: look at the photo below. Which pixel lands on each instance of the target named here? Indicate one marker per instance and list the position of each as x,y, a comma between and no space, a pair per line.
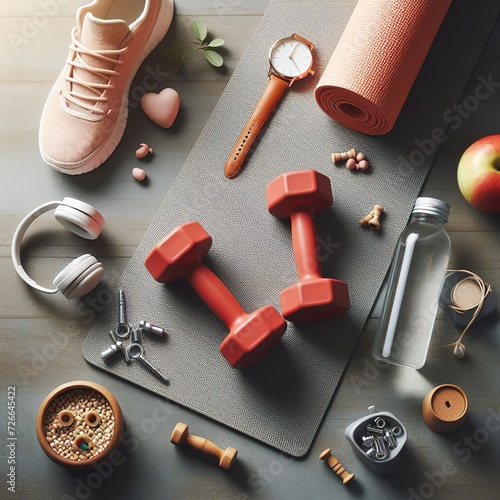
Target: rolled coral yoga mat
376,61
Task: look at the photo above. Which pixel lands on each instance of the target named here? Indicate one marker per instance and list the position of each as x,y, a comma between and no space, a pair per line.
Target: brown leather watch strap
272,94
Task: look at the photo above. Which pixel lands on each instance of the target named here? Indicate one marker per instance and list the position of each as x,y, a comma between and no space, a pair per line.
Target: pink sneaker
86,112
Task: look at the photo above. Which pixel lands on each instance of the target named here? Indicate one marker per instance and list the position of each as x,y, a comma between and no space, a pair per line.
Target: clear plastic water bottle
414,284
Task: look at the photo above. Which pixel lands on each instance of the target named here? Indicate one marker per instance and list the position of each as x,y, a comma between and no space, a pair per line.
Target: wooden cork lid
466,294
445,408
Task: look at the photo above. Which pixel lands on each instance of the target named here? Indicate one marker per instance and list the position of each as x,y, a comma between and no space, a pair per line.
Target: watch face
291,58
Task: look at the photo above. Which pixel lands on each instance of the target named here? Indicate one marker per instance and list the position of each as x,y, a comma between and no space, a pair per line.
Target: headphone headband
16,243
77,216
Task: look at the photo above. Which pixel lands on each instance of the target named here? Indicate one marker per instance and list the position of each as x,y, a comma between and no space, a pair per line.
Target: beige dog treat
372,220
374,223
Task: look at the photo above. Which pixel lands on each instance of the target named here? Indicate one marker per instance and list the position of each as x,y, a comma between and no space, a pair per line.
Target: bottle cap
445,408
432,206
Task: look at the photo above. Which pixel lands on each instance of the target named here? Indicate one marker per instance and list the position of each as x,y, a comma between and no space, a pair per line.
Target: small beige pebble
139,174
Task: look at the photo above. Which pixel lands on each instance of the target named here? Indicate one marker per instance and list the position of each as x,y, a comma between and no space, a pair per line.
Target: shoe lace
89,102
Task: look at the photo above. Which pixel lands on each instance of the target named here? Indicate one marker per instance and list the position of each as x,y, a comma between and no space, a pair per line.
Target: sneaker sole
160,29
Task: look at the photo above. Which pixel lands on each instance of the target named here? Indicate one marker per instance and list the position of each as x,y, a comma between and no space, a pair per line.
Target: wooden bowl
63,443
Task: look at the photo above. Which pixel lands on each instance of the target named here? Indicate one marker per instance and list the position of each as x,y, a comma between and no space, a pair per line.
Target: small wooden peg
374,223
181,435
336,157
336,466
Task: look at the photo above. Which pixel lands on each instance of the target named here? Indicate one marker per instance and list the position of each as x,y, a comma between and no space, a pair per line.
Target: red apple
478,174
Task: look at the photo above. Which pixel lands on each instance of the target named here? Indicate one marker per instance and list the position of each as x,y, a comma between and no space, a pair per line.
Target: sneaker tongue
97,34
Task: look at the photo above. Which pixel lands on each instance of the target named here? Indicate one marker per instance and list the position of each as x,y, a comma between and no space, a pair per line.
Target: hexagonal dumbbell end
300,196
253,337
294,191
315,300
181,435
178,252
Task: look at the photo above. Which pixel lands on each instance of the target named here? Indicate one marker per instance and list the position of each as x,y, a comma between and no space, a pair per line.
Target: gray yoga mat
281,400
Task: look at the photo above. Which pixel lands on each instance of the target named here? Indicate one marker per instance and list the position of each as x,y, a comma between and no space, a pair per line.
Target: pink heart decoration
161,108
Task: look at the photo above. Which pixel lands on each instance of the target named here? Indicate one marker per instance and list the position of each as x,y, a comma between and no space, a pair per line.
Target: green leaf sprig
180,52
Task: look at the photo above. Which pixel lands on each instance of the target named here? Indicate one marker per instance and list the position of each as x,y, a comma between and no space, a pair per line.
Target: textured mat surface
282,399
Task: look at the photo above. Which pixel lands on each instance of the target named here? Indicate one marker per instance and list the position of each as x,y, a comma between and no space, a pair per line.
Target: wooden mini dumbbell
181,435
337,157
336,466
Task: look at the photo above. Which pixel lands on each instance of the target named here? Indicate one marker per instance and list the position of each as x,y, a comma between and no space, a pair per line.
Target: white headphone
83,273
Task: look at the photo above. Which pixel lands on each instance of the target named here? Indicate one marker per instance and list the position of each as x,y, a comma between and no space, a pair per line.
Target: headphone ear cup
79,277
80,218
87,282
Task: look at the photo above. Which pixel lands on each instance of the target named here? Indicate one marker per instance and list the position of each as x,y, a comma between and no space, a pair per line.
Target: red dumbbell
299,196
179,255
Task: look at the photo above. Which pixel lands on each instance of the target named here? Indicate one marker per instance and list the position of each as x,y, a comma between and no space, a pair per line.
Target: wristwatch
290,59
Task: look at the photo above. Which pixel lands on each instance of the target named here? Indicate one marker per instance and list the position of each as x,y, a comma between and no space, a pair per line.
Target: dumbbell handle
304,237
204,445
215,294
